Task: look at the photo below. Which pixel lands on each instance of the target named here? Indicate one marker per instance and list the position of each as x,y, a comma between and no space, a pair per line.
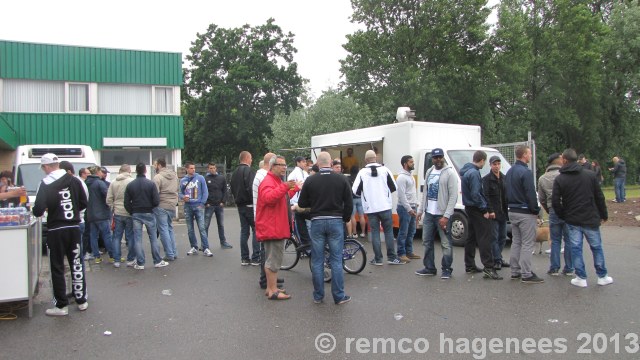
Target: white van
418,139
27,163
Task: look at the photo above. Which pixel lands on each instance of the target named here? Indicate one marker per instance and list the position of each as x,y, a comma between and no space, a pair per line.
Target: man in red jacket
272,221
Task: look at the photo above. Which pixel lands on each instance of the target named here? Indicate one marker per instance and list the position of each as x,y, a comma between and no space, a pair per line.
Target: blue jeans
331,232
595,243
406,232
429,226
197,213
165,228
621,194
124,224
247,223
499,239
149,220
208,214
102,228
375,219
557,231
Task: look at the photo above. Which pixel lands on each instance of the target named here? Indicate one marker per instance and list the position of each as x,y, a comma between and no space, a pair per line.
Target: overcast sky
319,27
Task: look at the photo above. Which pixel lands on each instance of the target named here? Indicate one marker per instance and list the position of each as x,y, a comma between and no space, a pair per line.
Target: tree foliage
425,54
236,81
567,70
332,112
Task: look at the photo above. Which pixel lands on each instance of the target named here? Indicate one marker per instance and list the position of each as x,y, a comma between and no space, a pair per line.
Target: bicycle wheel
290,256
326,267
354,256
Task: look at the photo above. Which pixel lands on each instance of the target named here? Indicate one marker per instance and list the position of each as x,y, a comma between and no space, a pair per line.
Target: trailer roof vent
405,114
70,152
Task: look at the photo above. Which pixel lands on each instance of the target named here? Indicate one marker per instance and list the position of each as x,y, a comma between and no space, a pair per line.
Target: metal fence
508,150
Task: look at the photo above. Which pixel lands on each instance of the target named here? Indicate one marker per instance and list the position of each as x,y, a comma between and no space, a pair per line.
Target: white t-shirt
297,175
433,182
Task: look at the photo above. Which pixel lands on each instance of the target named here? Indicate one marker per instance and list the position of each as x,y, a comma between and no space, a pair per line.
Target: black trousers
301,225
480,234
63,243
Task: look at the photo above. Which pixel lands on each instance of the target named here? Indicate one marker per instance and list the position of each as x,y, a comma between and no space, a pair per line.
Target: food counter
20,261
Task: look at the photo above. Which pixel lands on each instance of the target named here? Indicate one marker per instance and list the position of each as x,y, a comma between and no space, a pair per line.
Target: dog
542,235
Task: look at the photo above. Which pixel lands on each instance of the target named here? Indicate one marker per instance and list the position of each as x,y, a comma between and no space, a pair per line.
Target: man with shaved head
329,196
375,184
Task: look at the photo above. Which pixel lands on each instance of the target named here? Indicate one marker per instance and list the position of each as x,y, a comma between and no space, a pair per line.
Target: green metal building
125,104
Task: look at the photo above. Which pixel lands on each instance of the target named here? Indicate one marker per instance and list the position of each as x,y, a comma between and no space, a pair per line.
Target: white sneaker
548,251
54,311
116,264
362,235
605,280
138,267
579,282
83,306
208,252
193,251
162,263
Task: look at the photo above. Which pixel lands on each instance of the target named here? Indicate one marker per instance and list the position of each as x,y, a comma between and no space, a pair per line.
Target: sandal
276,296
279,289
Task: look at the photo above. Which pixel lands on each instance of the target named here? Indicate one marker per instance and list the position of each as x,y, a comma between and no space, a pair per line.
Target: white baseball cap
49,158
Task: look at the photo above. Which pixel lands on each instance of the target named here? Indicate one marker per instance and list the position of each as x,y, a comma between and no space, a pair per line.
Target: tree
236,82
428,55
332,112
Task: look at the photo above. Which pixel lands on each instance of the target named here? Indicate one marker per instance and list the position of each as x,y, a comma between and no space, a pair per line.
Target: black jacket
619,169
327,194
496,193
577,198
63,199
242,185
217,187
97,209
521,190
141,196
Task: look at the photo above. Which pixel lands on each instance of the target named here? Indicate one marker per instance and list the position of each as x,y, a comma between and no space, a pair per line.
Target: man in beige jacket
166,181
122,219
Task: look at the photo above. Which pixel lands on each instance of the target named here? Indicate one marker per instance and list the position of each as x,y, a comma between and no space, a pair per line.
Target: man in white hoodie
375,184
122,219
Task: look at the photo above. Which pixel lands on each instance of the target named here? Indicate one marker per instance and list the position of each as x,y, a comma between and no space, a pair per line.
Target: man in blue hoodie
98,214
194,193
477,209
523,213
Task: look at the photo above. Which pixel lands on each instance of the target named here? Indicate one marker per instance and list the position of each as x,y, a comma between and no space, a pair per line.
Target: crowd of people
326,207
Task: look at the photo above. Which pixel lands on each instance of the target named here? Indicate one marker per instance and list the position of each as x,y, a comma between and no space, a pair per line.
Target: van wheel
459,228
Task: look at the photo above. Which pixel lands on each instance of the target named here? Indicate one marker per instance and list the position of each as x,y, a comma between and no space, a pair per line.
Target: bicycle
354,258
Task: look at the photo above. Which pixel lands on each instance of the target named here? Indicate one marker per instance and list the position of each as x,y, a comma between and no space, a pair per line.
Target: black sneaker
516,277
226,245
505,264
490,273
473,270
426,272
533,279
497,265
554,272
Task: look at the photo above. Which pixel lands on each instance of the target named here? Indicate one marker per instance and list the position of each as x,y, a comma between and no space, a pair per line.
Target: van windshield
30,175
461,157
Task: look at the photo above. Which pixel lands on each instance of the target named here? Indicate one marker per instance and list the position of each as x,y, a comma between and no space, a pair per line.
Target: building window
32,96
124,99
164,100
78,97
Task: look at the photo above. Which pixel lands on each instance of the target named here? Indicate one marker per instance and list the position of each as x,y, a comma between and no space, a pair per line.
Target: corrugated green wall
20,60
89,130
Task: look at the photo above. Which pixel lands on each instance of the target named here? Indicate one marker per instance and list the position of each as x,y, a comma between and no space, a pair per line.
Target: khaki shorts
274,250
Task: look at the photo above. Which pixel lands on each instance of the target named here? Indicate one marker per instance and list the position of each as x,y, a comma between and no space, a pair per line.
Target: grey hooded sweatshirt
167,183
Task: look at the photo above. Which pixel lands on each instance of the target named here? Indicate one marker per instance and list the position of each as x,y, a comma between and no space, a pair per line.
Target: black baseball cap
494,158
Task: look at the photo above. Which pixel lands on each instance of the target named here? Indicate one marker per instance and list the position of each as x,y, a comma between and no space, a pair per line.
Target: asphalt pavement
216,310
